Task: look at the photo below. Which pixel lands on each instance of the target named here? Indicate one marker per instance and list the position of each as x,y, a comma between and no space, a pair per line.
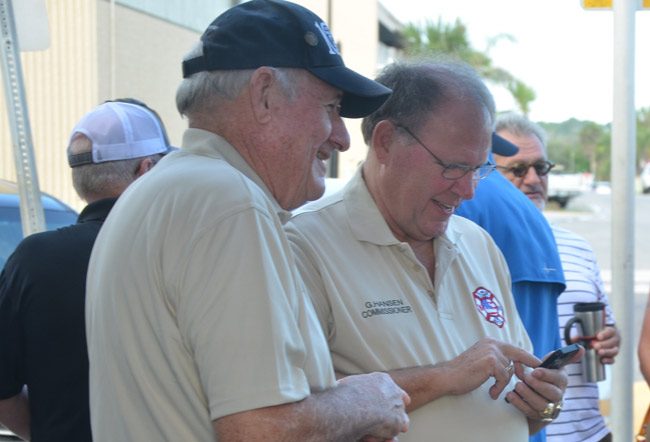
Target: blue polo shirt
528,245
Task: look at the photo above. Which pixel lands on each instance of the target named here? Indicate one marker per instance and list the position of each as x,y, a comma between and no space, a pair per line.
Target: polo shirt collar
365,219
202,142
368,224
97,210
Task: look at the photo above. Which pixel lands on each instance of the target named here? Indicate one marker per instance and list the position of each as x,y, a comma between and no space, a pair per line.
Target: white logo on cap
327,35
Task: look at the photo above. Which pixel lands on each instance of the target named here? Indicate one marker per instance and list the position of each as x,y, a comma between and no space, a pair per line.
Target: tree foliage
434,38
576,146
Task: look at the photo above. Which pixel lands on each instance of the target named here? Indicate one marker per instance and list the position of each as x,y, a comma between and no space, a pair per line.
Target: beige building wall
96,53
140,56
60,85
101,50
359,42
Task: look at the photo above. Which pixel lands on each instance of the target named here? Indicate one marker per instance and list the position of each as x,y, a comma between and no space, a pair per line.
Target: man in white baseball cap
43,358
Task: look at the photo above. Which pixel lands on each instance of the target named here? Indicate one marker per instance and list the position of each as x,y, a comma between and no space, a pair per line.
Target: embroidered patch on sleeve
489,306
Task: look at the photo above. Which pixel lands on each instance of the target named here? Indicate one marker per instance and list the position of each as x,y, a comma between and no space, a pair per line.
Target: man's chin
437,229
537,200
316,190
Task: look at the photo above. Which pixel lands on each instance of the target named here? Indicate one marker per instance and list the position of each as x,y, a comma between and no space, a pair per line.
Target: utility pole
623,172
333,167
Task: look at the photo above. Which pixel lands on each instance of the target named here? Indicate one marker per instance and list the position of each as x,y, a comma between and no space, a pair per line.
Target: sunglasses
542,168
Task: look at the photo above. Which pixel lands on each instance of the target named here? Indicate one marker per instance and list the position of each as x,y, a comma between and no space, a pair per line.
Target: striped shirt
580,419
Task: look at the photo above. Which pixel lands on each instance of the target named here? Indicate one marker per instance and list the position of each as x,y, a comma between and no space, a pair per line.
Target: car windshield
11,230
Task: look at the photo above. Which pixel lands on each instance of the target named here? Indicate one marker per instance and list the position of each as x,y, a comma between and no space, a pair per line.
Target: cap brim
361,96
503,147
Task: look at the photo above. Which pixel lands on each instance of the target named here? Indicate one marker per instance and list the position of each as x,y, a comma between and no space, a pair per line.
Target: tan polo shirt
194,306
381,311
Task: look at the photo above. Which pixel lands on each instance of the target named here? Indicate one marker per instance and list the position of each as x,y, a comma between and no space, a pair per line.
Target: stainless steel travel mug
591,318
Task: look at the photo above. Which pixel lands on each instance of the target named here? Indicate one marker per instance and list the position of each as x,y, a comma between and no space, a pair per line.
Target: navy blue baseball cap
503,147
279,33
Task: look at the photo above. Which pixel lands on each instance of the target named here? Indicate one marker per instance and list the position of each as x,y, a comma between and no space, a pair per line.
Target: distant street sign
31,25
607,4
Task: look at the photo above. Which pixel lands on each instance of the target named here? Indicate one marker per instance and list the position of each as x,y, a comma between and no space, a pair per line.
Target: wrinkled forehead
462,125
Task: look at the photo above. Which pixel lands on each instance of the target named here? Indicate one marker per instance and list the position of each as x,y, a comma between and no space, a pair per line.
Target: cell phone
560,357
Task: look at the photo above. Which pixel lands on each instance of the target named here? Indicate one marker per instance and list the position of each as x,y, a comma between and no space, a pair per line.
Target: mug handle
567,329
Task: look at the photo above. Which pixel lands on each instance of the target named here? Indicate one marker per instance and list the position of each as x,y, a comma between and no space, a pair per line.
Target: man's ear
383,137
261,88
144,166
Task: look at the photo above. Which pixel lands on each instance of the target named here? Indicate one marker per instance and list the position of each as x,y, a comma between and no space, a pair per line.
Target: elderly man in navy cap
197,319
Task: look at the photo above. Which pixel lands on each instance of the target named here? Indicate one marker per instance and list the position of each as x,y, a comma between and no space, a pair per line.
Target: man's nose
465,186
340,136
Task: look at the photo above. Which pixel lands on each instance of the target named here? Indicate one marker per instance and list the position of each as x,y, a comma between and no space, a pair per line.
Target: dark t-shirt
42,327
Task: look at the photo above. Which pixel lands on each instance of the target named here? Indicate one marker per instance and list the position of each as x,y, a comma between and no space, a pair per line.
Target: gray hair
519,125
203,91
424,87
100,180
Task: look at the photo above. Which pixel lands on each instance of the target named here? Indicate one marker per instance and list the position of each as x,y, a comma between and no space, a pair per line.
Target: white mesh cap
119,131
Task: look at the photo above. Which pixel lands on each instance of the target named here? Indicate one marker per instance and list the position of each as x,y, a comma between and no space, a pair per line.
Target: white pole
623,172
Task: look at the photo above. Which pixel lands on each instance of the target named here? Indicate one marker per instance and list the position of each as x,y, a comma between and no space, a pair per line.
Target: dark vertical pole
333,167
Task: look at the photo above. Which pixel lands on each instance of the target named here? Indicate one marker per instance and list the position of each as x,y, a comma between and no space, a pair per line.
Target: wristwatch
550,412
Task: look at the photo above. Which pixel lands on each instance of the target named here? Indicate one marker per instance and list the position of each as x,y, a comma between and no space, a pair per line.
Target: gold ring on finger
550,412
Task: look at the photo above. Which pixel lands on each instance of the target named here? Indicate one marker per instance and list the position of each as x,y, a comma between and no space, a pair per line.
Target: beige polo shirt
194,306
381,311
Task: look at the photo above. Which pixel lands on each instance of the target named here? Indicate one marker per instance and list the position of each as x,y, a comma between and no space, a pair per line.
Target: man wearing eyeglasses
528,171
402,285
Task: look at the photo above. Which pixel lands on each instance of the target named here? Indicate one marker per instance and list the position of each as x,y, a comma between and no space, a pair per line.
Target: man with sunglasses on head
528,170
402,285
527,243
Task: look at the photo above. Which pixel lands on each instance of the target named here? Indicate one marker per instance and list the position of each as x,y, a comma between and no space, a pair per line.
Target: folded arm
359,406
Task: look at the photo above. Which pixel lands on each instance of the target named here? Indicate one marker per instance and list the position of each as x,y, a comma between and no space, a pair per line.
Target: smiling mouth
323,156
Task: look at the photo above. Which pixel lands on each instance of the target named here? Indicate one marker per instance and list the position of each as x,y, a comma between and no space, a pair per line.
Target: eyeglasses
542,168
452,171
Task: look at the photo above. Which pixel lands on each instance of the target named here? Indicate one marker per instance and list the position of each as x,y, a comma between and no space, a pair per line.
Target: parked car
57,214
563,187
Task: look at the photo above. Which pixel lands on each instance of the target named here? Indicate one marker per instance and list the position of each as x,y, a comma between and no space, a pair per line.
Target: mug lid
588,306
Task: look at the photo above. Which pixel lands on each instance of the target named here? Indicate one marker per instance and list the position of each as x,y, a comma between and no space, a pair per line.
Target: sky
564,52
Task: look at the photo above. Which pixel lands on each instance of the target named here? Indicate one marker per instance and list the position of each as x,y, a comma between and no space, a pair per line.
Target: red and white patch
489,306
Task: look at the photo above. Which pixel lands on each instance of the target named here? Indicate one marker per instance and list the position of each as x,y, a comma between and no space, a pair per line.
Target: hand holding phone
560,357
